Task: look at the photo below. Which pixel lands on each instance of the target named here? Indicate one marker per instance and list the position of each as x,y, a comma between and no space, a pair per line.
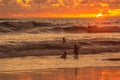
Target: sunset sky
58,8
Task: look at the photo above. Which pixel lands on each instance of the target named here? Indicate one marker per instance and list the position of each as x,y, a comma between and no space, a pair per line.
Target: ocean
27,44
51,25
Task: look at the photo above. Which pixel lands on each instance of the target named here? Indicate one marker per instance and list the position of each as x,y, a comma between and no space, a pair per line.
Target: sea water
46,33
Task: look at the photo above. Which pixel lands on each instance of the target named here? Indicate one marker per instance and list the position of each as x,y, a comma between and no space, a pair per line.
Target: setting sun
99,15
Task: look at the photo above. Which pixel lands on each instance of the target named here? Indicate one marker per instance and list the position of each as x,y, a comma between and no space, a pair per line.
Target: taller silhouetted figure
76,51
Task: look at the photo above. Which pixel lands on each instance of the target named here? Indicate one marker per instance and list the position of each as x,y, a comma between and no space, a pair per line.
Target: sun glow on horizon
99,15
58,9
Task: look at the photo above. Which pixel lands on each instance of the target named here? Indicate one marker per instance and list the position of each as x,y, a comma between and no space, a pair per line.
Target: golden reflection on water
65,74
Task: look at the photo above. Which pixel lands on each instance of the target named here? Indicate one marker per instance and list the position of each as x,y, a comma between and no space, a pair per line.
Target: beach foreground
95,73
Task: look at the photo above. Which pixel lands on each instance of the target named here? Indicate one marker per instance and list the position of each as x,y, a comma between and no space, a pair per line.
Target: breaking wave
38,27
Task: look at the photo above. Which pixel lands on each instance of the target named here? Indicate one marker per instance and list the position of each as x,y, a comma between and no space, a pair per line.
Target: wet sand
95,73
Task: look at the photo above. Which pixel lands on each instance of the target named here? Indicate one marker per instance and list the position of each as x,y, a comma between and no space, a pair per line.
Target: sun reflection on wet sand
111,73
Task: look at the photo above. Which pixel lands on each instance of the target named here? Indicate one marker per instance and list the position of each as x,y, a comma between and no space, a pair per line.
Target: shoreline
55,62
33,70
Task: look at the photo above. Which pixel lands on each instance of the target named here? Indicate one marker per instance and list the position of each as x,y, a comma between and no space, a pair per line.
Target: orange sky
58,8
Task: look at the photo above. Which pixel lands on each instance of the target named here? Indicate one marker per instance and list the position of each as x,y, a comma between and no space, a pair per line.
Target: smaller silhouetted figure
64,40
76,51
64,56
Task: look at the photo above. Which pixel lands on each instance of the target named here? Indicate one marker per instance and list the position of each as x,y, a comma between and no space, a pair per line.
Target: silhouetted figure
64,41
64,56
64,46
76,51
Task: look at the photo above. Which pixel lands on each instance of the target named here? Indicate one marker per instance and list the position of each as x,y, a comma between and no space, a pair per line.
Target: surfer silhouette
76,48
64,55
64,40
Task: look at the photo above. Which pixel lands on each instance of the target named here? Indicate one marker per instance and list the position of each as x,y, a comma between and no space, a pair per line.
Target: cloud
39,1
57,6
23,3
